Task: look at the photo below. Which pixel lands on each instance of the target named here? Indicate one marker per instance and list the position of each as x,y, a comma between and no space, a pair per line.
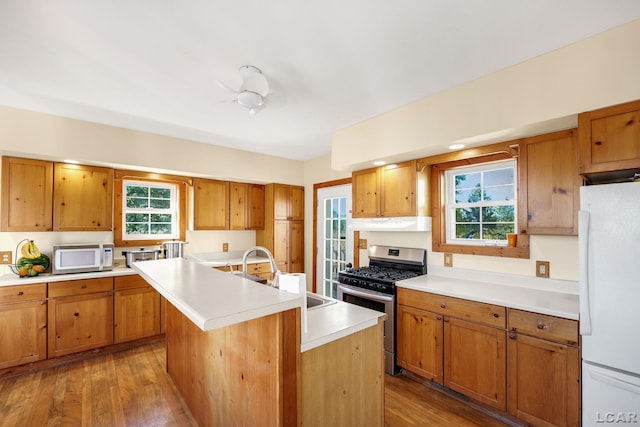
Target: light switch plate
448,260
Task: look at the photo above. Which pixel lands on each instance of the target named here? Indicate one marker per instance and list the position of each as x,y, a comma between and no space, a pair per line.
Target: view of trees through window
482,202
149,210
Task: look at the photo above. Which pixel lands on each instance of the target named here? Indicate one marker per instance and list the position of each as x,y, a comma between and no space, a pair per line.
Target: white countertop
224,259
12,279
212,299
545,296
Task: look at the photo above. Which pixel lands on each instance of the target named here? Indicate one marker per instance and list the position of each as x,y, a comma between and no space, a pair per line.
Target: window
149,208
150,211
480,203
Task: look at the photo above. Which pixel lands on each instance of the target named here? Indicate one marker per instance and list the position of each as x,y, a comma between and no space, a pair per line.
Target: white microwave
82,258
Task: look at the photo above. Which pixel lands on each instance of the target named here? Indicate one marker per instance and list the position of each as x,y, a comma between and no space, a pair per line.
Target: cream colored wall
533,97
42,136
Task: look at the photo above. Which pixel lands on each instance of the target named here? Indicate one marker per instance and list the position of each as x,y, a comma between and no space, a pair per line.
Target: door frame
317,186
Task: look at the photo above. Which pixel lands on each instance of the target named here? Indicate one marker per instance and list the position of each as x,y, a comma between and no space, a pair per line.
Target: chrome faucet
272,263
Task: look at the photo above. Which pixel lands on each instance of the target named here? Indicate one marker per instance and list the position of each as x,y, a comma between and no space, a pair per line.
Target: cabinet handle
76,314
598,142
541,325
20,293
83,287
513,336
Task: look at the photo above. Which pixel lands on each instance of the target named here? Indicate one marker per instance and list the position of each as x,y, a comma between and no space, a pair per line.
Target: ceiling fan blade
227,88
257,83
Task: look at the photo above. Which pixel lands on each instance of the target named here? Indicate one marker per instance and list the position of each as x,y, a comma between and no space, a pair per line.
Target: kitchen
547,108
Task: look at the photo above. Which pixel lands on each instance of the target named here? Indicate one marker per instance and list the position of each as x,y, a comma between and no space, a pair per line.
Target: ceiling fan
253,90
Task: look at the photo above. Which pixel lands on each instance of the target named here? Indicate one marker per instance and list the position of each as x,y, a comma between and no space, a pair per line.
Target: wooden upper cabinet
27,195
389,191
549,184
82,198
610,139
210,204
288,202
246,206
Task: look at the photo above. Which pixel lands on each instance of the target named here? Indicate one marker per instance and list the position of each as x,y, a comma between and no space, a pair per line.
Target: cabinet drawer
262,267
23,292
79,287
129,282
543,326
489,314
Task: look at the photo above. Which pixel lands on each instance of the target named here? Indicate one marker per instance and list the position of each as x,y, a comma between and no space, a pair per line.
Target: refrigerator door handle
614,382
583,241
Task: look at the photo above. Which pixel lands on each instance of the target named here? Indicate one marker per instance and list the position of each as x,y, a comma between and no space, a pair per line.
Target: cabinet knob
20,293
513,336
443,305
446,319
438,317
598,143
76,314
541,325
83,287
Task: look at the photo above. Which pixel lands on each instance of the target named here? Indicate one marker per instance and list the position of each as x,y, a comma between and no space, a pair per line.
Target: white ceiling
152,65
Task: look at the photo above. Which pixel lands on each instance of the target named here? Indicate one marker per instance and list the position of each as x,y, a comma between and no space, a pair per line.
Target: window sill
521,251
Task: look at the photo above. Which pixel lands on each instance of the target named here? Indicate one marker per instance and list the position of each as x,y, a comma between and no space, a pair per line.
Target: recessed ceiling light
379,163
456,146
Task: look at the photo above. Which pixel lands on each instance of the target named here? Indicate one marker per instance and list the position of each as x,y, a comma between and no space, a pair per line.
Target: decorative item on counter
32,262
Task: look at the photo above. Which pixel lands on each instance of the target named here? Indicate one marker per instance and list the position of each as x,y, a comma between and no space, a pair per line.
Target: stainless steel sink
316,301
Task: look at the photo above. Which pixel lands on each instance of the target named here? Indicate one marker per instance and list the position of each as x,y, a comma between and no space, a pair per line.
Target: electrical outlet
5,257
542,269
448,260
362,244
225,247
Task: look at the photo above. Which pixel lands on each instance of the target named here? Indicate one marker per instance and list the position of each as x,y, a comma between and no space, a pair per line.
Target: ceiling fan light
250,100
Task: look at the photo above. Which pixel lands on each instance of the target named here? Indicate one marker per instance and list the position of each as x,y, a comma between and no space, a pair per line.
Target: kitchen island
237,352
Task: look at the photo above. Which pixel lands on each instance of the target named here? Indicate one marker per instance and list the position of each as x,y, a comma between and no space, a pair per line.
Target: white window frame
173,210
451,205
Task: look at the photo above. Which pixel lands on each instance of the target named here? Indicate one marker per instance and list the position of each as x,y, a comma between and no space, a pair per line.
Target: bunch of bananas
30,250
32,262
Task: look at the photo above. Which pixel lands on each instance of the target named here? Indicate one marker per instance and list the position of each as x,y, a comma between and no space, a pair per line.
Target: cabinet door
210,204
398,189
420,348
23,336
475,361
280,250
137,314
27,195
281,200
609,138
366,193
82,198
549,184
255,207
237,206
544,381
80,323
296,247
296,203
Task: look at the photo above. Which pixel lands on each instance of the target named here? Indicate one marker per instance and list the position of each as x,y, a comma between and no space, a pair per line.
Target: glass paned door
335,243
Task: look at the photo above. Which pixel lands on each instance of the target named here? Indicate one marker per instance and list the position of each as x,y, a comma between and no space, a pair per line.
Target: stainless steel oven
374,287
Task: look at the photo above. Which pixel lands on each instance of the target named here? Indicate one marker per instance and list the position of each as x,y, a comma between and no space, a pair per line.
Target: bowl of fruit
32,262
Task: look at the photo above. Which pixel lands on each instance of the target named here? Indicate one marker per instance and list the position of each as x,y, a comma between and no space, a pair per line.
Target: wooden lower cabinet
544,370
529,368
136,309
475,361
23,324
80,315
420,335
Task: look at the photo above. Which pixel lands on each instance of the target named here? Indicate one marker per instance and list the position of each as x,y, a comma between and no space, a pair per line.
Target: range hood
400,223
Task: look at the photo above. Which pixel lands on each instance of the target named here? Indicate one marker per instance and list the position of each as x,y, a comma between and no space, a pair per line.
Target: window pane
498,177
343,207
160,229
468,231
160,203
335,229
327,208
160,193
469,180
469,196
137,191
137,228
343,250
137,217
343,228
467,214
161,218
498,214
327,229
496,231
134,202
335,208
327,248
499,193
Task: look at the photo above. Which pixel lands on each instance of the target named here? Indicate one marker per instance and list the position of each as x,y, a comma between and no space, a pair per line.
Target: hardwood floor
131,388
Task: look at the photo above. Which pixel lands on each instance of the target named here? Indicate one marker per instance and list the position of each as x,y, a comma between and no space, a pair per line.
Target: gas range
387,265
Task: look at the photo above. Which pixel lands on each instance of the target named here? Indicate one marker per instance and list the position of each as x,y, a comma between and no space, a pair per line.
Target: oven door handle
366,295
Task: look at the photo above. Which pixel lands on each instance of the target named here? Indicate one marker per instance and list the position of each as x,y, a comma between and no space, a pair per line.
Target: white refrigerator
609,245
